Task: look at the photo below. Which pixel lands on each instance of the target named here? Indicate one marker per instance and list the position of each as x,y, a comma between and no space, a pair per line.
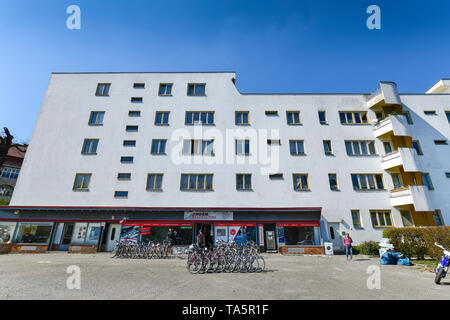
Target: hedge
370,248
418,242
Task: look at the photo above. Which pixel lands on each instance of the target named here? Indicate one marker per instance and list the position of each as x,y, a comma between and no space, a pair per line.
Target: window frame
377,213
138,85
117,196
353,113
98,113
84,175
327,142
200,145
195,89
296,148
91,145
300,175
165,94
240,114
200,118
126,157
163,116
244,180
155,175
127,145
197,175
356,224
325,121
336,179
428,178
132,113
367,181
159,147
419,152
361,143
128,178
294,112
127,128
106,86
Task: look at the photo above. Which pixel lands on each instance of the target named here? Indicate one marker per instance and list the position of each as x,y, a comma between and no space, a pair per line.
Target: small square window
154,181
82,181
139,86
129,143
158,146
96,118
243,182
272,113
126,159
121,194
162,118
276,176
242,118
124,176
132,128
440,142
323,117
430,112
165,89
301,182
134,113
293,118
102,89
90,146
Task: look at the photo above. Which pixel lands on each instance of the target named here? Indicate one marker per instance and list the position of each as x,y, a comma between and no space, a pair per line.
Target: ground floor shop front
90,230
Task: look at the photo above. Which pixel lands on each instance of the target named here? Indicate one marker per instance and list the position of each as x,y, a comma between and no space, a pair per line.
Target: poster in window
221,232
281,237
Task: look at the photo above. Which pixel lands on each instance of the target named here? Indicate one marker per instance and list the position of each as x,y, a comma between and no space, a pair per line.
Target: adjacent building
138,153
9,171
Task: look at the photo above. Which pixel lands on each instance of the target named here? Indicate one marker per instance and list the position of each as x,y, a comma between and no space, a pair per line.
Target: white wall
54,155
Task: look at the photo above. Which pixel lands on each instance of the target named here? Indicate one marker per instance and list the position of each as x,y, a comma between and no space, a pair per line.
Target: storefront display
6,232
298,234
86,233
33,232
157,232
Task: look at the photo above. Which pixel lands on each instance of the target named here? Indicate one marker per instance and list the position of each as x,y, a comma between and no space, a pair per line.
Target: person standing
170,237
201,239
348,246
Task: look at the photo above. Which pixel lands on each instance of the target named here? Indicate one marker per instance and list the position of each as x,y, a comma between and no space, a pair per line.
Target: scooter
442,267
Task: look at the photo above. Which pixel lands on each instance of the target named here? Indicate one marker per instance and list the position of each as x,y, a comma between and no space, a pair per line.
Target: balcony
386,94
415,195
406,157
392,125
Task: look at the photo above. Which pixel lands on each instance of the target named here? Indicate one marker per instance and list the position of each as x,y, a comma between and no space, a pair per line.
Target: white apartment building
128,155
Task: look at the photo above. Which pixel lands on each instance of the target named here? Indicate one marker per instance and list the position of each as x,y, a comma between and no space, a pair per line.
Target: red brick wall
308,250
5,248
82,249
40,248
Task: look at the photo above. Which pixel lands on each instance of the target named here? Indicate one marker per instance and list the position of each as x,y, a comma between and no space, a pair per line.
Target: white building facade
189,151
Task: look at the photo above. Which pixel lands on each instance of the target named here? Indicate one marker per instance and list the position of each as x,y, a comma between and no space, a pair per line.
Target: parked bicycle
225,257
143,250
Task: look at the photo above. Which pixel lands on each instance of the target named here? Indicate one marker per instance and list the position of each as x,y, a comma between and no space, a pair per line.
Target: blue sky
274,46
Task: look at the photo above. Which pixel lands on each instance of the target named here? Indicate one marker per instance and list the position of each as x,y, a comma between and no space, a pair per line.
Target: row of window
165,89
383,218
10,173
296,147
204,182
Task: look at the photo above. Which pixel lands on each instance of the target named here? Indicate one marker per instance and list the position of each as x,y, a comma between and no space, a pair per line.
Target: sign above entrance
208,216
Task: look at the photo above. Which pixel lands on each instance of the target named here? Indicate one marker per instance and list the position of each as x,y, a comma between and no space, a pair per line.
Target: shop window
183,234
6,232
86,233
302,236
33,232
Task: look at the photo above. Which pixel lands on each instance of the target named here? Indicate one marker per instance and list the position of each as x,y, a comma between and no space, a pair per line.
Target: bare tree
6,143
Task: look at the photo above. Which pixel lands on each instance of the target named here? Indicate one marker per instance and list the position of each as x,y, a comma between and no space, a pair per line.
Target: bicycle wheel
205,265
222,263
214,264
193,264
113,253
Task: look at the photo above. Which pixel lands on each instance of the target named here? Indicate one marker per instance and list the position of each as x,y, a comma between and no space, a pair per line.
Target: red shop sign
305,224
249,224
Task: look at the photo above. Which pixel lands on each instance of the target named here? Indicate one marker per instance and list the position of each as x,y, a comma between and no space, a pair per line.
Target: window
276,176
158,146
124,176
6,232
323,117
300,182
430,112
332,178
162,118
447,174
33,232
204,117
367,181
242,118
137,100
165,89
293,117
132,128
272,113
438,217
447,113
397,180
196,89
407,218
197,182
203,147
302,236
10,173
387,147
121,194
427,181
154,181
96,118
5,191
381,218
273,141
353,117
327,147
103,89
243,147
360,148
90,146
126,159
407,116
134,113
243,181
129,143
82,181
356,218
139,85
440,142
416,145
297,147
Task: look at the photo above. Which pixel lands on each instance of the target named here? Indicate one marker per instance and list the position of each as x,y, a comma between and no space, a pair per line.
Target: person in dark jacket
201,239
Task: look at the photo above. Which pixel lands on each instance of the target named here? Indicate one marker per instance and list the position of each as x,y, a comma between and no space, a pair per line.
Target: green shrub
418,242
369,248
356,249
